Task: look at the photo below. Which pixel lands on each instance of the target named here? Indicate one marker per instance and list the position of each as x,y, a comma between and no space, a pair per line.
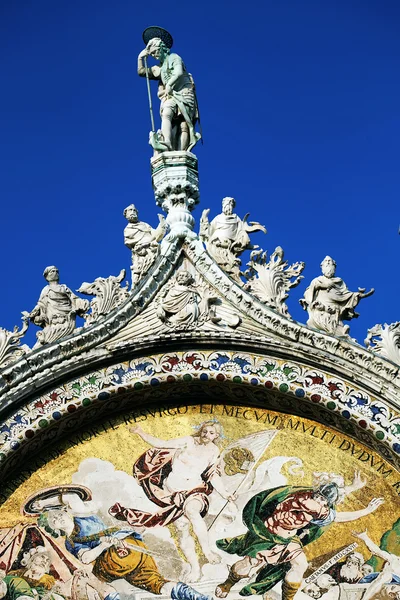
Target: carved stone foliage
108,294
56,310
227,236
10,343
385,340
329,302
270,281
142,240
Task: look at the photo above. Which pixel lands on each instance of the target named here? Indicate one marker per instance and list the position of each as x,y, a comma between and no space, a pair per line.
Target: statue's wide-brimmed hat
54,494
157,32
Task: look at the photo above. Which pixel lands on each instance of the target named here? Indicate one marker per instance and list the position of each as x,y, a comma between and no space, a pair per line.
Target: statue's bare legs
166,125
184,136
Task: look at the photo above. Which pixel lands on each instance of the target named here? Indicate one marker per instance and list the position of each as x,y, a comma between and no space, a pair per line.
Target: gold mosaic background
320,449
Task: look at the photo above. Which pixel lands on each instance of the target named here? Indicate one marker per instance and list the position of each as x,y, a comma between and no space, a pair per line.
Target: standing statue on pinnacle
176,91
56,310
329,302
227,237
142,240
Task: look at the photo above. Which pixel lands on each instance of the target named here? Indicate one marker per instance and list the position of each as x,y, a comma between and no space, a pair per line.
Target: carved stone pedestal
176,187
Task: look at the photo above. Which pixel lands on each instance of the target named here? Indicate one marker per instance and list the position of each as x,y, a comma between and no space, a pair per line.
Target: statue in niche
176,91
329,302
184,303
227,236
142,240
56,310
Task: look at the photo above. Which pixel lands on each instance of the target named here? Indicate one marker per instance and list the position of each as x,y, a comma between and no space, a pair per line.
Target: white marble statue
227,236
56,310
142,240
176,91
183,303
329,302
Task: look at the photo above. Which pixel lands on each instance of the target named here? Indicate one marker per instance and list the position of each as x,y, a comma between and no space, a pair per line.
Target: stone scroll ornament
385,340
270,281
176,92
11,348
56,310
108,294
329,302
227,236
143,241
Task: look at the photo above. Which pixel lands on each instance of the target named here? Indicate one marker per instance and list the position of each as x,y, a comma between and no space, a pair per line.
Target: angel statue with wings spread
179,476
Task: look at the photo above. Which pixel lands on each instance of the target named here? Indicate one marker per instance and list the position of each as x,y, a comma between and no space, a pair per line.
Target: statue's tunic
228,231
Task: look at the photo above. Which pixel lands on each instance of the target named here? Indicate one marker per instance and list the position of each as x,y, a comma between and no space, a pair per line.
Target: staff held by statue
176,91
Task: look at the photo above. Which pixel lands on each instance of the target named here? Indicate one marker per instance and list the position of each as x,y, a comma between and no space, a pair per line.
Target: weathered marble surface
329,302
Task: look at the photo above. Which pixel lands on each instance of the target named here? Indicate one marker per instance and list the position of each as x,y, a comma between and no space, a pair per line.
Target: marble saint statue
227,236
183,304
176,91
56,310
142,240
329,302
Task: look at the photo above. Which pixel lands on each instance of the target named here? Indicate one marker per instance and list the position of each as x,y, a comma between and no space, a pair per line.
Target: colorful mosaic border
297,382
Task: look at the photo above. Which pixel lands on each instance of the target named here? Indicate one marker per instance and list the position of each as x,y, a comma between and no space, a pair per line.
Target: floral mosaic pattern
294,380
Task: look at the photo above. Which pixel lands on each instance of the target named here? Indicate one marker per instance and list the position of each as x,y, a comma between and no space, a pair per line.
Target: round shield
51,498
157,32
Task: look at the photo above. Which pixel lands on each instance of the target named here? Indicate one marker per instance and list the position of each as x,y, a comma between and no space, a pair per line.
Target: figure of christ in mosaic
280,522
112,553
178,475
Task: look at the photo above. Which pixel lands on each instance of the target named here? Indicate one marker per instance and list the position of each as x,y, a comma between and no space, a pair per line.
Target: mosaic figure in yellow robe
113,553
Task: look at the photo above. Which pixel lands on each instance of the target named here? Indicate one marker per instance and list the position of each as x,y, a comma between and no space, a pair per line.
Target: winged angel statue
192,483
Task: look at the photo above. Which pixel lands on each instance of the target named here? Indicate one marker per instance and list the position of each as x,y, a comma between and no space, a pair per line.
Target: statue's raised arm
179,111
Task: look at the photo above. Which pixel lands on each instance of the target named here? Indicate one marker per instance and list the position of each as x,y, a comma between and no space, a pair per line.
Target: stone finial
108,294
56,310
271,281
385,340
176,91
227,237
143,241
10,343
329,302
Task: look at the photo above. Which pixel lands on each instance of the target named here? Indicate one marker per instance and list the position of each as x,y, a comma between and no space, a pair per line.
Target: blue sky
300,105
